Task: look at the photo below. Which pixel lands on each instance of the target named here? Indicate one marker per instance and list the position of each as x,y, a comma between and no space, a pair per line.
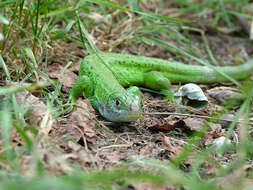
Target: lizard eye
117,103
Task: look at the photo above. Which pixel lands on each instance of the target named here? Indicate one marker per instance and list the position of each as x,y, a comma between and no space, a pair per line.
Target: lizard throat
121,115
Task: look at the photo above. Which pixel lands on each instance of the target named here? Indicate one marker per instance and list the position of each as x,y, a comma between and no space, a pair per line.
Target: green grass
30,29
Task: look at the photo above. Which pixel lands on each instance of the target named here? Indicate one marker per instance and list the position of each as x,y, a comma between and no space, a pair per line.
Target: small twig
110,131
109,123
189,115
115,146
83,136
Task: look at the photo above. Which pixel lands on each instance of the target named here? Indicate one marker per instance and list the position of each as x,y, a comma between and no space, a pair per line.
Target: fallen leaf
173,150
216,134
84,157
194,124
225,30
163,128
217,130
148,150
68,78
115,157
80,127
67,132
83,117
223,94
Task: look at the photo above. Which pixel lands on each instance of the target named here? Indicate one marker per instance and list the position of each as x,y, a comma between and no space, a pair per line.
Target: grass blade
4,20
153,16
4,66
57,12
61,33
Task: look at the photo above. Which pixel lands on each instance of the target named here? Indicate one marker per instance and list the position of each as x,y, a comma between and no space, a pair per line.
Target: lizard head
121,107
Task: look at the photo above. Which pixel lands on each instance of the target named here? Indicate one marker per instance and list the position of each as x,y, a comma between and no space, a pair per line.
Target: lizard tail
219,74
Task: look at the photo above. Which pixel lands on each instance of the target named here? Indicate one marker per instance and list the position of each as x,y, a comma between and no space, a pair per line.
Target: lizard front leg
83,86
136,91
155,80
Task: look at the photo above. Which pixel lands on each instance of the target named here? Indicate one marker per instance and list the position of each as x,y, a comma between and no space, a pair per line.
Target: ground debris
84,157
80,126
194,124
67,78
173,151
224,94
141,186
35,108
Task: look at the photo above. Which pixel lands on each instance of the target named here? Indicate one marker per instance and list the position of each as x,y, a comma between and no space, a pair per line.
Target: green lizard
105,87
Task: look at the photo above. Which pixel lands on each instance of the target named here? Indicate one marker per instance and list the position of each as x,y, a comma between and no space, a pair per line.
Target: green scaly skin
104,84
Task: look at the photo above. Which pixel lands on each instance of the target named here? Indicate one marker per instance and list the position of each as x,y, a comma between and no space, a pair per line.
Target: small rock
223,94
224,117
191,95
219,142
215,126
194,124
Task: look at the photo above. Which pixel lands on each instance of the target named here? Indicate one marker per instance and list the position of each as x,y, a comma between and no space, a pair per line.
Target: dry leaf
173,150
148,150
223,94
194,124
79,129
83,117
84,157
115,157
68,78
163,128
